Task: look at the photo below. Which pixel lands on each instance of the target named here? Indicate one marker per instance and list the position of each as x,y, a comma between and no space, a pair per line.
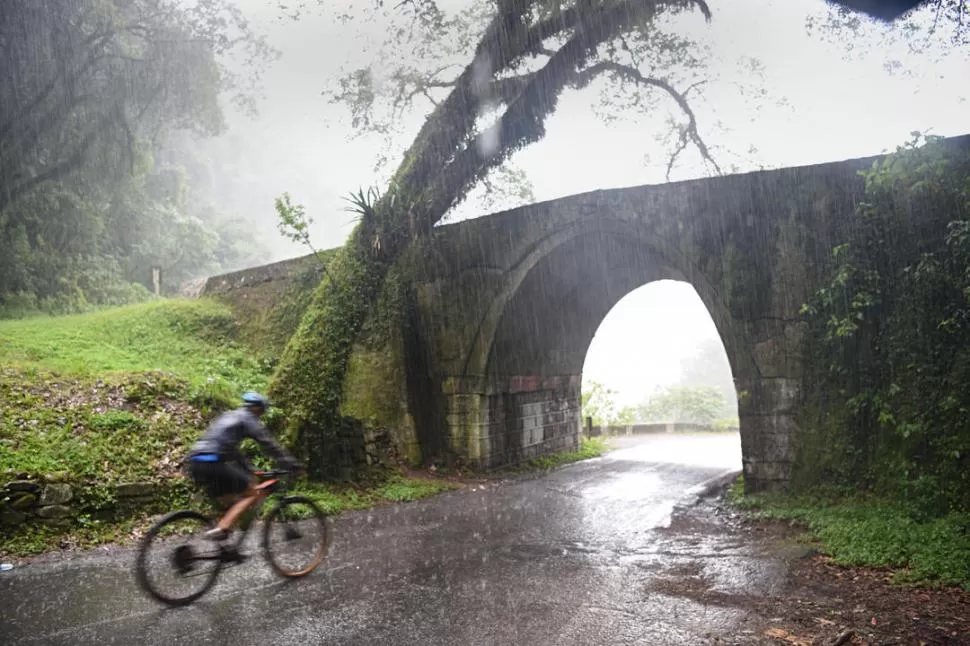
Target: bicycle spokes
295,537
175,563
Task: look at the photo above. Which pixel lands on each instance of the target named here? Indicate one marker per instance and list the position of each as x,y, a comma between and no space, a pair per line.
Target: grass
868,531
193,340
590,447
333,499
133,428
117,395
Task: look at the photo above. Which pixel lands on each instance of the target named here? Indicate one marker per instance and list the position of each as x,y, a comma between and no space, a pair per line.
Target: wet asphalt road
559,559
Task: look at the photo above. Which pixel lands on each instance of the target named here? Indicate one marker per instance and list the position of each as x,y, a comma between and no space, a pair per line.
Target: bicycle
294,514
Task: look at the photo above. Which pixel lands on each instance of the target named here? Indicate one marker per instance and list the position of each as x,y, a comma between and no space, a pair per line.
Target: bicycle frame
272,484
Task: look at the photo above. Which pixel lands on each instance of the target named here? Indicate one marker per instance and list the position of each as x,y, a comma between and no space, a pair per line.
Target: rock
12,517
56,494
136,490
58,523
22,501
54,511
59,476
23,485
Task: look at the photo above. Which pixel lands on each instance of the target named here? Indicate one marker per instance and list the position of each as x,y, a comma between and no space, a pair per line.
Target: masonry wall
513,420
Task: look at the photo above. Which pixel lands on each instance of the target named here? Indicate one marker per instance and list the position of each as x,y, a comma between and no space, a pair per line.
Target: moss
268,313
375,389
309,382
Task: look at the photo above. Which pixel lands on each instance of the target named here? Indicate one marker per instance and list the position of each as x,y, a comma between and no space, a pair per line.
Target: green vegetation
889,340
858,529
334,499
597,402
118,396
193,340
96,431
101,186
697,404
590,447
311,376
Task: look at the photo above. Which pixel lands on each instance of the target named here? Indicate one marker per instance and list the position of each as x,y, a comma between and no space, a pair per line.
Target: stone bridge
485,364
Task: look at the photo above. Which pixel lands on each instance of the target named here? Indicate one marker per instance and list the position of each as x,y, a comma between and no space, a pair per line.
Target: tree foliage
98,100
892,334
936,30
598,402
709,367
696,404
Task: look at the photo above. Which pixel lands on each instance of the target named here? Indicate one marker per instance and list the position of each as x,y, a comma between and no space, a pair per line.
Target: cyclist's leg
237,483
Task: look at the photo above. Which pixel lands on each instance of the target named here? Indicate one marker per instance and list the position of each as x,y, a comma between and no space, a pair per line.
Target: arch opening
657,377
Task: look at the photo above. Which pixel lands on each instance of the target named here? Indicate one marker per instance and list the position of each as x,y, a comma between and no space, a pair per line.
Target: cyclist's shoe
217,534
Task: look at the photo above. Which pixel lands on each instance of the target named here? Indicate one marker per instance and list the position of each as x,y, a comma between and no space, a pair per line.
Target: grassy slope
860,530
119,395
191,339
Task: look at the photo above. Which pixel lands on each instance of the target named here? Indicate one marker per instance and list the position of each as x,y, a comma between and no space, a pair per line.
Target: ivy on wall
890,336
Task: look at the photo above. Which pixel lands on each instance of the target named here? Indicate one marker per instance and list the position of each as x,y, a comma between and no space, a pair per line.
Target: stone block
22,500
54,511
766,476
57,493
137,490
23,485
769,396
12,517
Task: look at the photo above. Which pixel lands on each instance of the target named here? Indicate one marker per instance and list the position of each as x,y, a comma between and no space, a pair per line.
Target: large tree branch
689,133
448,128
57,171
506,40
60,79
523,121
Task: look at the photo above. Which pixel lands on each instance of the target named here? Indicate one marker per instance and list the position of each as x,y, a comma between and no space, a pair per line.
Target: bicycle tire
319,518
141,572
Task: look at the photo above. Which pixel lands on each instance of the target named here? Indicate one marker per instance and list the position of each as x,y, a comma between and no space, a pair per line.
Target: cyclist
216,464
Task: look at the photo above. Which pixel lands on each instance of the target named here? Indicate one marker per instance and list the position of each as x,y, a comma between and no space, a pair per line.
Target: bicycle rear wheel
175,572
295,537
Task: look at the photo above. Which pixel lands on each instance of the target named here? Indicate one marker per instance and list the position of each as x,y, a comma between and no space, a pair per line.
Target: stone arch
530,405
679,267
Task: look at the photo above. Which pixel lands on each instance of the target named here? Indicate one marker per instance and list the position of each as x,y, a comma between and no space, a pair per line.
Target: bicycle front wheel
176,564
295,537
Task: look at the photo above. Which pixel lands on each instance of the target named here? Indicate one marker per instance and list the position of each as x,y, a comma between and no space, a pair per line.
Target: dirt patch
820,603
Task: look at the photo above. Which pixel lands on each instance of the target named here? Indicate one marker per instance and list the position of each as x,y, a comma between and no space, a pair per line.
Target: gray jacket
225,434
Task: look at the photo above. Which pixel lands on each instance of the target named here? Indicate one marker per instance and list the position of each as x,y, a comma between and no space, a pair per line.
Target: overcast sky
822,103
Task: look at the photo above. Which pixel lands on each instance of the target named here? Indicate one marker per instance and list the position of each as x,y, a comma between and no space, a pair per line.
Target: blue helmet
255,399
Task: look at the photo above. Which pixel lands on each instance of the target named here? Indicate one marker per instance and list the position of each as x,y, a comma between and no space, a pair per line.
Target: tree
700,405
709,368
598,403
94,95
504,87
936,28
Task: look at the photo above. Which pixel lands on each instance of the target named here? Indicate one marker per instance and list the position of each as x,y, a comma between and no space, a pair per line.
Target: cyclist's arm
265,439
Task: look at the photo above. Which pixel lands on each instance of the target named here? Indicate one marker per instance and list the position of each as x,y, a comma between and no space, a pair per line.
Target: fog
778,95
